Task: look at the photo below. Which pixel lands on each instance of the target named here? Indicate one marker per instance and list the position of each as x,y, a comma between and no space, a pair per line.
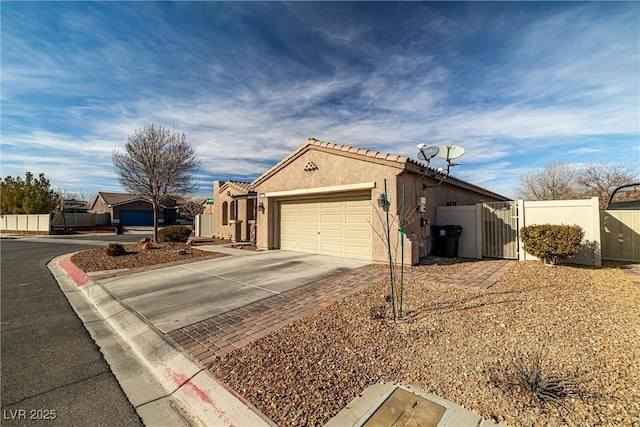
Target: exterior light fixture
261,207
383,202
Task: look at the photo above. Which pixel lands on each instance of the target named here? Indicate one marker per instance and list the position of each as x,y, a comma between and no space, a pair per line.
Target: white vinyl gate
497,224
499,230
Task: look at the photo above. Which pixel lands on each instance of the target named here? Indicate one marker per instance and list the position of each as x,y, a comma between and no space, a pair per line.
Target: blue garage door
136,218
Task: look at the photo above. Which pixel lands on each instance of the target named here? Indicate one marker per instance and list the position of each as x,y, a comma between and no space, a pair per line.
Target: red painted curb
78,276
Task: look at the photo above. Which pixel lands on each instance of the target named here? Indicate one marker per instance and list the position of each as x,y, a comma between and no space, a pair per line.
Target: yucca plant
551,390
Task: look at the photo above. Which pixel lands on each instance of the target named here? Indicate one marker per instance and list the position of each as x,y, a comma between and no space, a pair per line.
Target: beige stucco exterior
233,217
325,171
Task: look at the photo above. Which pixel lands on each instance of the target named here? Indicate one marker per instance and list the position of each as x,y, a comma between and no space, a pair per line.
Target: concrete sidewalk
165,385
164,374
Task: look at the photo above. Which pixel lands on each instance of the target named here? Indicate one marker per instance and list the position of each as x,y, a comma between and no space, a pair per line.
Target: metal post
402,233
386,208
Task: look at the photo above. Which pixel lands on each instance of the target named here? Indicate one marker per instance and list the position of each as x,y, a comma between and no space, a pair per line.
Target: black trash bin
453,233
438,240
119,229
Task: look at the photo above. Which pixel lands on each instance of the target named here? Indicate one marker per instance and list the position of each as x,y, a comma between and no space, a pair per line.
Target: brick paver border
214,337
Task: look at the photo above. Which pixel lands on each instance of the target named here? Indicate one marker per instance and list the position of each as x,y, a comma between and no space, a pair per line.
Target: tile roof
403,162
395,158
114,199
118,198
360,151
243,186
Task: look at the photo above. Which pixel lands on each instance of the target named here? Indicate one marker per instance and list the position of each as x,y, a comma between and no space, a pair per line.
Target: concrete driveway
177,296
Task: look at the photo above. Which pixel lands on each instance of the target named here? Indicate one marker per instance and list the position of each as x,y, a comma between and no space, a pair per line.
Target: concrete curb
164,385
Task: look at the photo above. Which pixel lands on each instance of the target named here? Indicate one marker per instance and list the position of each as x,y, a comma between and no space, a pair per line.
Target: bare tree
557,181
602,178
156,163
188,208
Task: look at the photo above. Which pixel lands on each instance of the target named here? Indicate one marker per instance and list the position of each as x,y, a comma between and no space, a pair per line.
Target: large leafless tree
560,181
157,163
601,179
557,181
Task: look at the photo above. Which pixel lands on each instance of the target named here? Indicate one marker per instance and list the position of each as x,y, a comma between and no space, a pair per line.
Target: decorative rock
145,240
146,246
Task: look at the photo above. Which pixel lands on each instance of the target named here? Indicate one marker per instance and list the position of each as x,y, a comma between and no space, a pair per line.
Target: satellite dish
427,153
450,151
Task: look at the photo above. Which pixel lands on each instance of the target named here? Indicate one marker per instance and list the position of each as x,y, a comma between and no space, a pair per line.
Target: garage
337,227
136,218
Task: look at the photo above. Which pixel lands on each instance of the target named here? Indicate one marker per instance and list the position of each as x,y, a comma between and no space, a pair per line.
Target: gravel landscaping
463,344
159,255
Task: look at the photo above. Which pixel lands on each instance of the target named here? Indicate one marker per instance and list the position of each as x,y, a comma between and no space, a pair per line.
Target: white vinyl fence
203,225
479,229
43,223
36,223
585,213
80,219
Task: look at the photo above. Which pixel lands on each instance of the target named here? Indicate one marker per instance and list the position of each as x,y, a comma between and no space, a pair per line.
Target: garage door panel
289,231
336,218
331,248
289,217
308,218
331,233
357,218
358,235
305,231
332,227
308,246
357,251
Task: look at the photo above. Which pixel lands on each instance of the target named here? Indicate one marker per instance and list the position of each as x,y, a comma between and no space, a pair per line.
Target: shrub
174,233
552,242
115,249
542,389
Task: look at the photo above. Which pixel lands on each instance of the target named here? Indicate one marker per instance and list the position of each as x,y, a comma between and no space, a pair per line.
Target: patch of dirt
194,241
460,343
253,248
162,254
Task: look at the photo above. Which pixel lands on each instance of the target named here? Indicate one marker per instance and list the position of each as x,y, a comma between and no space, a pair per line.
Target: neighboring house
207,207
131,209
324,198
73,205
234,210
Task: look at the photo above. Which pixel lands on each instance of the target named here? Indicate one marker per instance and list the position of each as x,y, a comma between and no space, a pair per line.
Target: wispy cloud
516,84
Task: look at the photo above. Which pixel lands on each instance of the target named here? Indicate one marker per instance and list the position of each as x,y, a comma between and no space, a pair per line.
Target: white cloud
561,85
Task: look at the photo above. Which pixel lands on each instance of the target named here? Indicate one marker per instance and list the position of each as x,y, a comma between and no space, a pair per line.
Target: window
251,209
232,210
225,214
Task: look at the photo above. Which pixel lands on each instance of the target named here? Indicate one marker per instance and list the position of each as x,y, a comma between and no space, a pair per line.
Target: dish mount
448,152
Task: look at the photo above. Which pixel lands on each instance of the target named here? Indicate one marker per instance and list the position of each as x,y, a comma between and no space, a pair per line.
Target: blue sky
517,84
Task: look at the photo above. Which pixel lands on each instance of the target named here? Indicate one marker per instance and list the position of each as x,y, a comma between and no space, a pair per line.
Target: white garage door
338,227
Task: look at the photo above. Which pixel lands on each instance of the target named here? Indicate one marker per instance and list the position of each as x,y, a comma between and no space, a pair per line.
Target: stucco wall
315,172
332,170
222,200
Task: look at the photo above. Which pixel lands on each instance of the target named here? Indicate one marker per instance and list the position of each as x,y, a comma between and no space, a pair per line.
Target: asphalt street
51,370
